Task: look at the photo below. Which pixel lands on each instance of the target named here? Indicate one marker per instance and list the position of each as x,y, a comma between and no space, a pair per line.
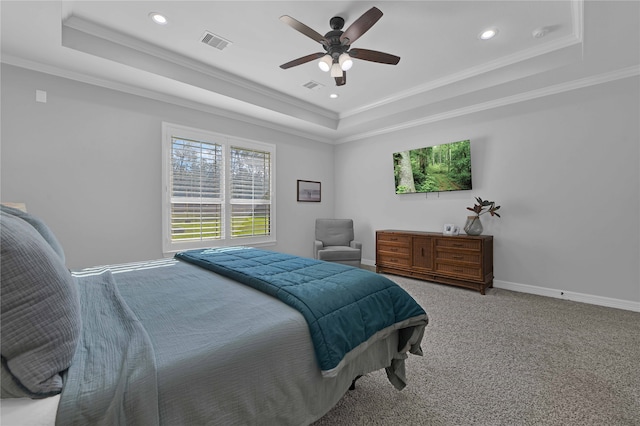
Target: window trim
169,131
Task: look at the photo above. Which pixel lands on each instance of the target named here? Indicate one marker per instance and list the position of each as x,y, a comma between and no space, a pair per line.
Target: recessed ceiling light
540,32
158,18
488,34
334,96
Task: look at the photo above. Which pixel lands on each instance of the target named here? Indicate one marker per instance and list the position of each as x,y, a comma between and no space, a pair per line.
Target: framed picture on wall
309,190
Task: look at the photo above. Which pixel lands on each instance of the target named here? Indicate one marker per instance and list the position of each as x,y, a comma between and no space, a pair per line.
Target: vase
473,225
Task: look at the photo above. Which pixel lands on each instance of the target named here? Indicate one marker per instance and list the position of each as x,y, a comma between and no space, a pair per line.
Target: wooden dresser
461,260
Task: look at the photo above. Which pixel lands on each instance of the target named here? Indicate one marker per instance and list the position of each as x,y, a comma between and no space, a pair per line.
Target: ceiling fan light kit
337,45
325,63
336,71
345,62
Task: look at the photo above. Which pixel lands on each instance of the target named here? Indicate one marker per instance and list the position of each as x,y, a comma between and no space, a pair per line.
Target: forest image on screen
439,168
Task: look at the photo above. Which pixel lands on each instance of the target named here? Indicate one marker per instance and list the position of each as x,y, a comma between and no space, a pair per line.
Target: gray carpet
507,358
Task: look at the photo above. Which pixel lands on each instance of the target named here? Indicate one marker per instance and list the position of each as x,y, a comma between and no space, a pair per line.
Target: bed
221,336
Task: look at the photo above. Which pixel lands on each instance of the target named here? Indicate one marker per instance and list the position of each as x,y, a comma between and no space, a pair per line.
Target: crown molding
101,32
154,95
298,125
576,37
628,72
594,80
469,73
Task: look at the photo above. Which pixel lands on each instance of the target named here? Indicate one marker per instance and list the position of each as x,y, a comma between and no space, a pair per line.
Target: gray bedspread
344,306
168,343
112,380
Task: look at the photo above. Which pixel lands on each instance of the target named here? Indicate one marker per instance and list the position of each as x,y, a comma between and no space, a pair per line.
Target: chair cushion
334,232
333,253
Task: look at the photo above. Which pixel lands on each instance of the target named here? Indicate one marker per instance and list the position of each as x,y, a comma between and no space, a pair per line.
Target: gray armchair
335,242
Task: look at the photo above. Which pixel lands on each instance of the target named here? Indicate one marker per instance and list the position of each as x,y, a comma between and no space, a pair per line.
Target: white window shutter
196,190
250,192
218,190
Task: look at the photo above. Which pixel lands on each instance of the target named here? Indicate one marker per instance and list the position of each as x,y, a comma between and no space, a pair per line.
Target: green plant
484,206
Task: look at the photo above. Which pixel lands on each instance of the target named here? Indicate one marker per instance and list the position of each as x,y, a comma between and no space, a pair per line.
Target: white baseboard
368,262
569,295
627,305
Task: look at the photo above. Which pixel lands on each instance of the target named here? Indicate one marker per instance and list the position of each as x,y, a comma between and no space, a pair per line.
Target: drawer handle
458,245
458,257
394,249
393,239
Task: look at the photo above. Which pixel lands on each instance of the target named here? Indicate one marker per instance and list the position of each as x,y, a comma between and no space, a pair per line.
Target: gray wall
564,168
89,163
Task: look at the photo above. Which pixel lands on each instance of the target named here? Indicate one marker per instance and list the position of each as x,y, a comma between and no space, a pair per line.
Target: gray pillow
40,226
40,312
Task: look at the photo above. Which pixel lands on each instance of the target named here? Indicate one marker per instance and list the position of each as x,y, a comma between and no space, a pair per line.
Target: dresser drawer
458,243
459,256
393,260
473,272
393,249
393,238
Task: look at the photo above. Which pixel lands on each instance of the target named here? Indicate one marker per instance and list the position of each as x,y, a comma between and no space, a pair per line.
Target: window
218,190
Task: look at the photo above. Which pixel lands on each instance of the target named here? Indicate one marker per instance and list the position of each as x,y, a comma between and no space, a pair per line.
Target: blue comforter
345,307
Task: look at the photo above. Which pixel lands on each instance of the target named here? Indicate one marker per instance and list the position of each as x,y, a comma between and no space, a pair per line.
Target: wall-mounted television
438,168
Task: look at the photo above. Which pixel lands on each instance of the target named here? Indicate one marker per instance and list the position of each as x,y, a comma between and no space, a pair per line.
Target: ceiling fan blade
309,32
341,81
361,25
374,56
302,60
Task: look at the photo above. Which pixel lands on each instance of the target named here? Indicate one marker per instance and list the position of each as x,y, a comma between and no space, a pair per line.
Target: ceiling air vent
214,40
313,85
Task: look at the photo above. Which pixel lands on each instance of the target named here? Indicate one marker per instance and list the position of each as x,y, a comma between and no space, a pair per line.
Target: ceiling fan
338,54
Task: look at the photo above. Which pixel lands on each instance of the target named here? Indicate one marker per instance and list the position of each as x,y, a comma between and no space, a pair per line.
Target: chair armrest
317,245
355,244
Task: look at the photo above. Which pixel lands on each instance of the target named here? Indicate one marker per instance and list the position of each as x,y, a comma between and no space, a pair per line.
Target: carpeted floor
507,358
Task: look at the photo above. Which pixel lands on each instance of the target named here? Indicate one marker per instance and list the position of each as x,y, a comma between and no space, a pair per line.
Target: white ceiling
445,70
